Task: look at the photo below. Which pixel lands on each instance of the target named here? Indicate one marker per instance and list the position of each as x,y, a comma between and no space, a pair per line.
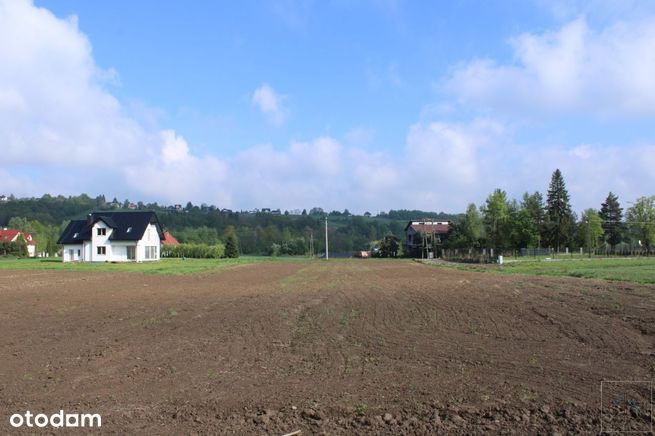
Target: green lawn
164,266
638,270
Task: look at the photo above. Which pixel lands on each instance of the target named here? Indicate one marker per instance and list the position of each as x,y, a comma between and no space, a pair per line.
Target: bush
195,251
18,248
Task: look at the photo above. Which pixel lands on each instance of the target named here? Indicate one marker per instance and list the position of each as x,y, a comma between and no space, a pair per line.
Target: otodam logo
56,420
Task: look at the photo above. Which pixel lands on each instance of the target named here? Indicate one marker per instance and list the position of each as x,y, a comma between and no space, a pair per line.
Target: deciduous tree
590,230
495,217
641,220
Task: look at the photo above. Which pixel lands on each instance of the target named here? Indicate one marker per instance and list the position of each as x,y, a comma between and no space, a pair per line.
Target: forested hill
259,231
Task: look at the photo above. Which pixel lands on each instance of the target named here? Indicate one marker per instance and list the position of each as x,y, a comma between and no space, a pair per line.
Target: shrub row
196,251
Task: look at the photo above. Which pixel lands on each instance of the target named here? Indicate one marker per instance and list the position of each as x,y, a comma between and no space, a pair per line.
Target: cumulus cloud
58,118
270,103
53,103
177,174
573,69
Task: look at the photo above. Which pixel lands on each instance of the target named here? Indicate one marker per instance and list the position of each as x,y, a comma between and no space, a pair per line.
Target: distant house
13,235
423,238
4,199
113,237
169,239
31,244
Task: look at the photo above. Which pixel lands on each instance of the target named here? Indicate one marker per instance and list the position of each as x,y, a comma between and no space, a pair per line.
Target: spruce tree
231,242
232,246
559,219
611,213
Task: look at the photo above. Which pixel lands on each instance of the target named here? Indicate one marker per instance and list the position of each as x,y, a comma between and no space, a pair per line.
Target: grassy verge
164,266
638,270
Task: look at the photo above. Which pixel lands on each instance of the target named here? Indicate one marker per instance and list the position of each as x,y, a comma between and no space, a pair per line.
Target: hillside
261,232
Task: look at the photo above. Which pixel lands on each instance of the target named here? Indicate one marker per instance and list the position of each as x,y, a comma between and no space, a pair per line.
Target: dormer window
102,231
129,230
75,235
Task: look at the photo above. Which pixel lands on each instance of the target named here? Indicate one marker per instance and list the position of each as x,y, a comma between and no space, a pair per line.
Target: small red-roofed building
169,239
14,235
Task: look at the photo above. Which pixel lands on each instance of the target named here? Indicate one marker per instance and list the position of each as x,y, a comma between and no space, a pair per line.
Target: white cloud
573,69
175,174
58,119
590,171
175,147
52,99
270,103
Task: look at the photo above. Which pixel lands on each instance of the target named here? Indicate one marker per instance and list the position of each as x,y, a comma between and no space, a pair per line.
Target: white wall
119,251
100,241
76,257
150,239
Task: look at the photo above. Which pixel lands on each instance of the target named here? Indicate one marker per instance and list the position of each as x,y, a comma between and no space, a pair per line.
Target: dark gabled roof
75,232
108,220
126,226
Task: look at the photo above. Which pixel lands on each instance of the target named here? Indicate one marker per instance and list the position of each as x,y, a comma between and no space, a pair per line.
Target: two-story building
423,238
113,237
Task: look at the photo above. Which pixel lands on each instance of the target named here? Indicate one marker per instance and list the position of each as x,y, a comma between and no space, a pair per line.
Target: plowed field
357,346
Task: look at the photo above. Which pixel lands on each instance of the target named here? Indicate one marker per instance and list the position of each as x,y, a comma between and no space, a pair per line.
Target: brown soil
336,348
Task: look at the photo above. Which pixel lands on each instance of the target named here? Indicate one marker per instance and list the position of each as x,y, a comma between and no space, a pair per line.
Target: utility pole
327,256
588,236
311,244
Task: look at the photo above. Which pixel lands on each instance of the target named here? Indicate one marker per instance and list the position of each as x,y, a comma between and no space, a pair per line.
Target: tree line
501,223
256,232
535,222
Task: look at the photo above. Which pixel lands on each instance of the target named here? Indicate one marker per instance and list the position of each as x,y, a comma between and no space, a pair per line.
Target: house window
102,250
79,252
151,252
131,252
102,231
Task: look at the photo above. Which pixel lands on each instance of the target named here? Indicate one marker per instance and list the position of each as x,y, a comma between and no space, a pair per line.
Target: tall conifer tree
559,218
611,213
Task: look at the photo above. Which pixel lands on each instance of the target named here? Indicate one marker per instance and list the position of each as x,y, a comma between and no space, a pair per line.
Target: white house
113,237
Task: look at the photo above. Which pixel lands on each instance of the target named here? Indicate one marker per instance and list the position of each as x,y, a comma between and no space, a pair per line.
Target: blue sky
365,105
